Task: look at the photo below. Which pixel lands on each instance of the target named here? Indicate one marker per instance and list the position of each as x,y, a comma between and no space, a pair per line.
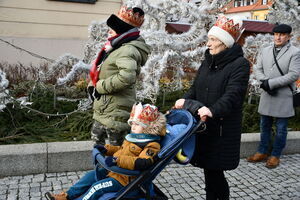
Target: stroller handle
200,127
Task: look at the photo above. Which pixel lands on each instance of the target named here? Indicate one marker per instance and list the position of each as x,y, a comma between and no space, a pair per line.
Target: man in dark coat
217,96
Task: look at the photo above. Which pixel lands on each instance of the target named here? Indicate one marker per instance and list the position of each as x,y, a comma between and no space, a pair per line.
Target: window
243,3
237,3
256,17
266,17
78,1
264,2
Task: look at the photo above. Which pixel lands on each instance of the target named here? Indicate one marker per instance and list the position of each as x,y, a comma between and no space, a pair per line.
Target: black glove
93,93
110,161
101,148
272,92
192,106
266,87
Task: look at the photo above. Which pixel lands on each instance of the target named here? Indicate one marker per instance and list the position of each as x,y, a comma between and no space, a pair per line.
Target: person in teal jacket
114,74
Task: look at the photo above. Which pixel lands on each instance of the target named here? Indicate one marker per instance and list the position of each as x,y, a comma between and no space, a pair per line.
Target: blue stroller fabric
180,125
173,131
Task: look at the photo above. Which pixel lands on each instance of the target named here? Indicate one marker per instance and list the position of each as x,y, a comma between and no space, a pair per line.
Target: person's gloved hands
93,93
101,148
272,92
266,87
192,106
110,161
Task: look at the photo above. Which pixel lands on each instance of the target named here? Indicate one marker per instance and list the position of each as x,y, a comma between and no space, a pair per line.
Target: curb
24,159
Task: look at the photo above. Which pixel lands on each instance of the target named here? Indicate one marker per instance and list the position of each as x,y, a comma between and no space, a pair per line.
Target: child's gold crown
143,114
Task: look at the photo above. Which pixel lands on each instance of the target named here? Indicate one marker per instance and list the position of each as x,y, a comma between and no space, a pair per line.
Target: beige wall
48,28
260,14
52,19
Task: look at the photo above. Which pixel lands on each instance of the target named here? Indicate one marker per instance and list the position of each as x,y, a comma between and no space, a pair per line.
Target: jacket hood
143,48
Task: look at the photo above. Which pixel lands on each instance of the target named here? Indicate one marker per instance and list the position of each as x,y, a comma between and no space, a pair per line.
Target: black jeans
216,185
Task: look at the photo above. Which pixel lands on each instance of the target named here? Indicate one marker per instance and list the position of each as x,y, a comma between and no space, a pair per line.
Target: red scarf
109,46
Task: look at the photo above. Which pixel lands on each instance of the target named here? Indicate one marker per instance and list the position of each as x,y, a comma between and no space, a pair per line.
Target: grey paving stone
11,182
13,186
24,192
3,192
16,177
38,178
12,191
49,175
34,189
51,179
24,198
57,187
248,182
25,180
3,187
35,185
46,189
24,185
35,194
2,196
12,197
46,184
35,198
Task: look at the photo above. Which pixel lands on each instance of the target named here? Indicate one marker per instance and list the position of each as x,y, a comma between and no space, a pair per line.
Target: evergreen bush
20,125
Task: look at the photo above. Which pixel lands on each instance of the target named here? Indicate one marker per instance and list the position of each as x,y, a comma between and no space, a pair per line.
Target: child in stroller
138,152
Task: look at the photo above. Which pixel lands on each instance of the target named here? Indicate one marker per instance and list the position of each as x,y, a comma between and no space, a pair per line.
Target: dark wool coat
221,84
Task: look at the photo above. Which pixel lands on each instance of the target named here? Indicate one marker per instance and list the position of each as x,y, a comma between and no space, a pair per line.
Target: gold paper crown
143,114
127,15
228,25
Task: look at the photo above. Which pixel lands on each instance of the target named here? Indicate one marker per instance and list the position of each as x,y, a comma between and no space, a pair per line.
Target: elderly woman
217,96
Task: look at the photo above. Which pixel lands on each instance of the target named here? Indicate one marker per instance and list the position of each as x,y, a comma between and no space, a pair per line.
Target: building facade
248,9
49,28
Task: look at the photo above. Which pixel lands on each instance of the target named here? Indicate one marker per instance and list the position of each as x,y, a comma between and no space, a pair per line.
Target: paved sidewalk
248,182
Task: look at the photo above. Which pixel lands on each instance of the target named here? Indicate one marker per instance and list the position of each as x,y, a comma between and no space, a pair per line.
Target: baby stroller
141,187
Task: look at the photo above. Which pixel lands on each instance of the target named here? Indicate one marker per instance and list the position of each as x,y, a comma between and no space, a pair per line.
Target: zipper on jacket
206,94
221,127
